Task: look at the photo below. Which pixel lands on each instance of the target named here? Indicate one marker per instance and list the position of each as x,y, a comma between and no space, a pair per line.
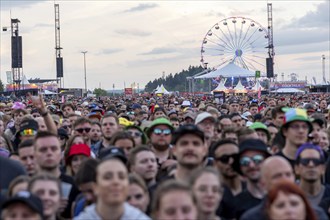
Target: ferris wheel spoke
212,41
231,36
243,63
227,38
222,41
243,40
248,40
252,60
258,56
236,40
248,63
240,34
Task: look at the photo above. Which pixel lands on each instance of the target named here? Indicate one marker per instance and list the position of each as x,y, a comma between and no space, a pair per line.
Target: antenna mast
58,48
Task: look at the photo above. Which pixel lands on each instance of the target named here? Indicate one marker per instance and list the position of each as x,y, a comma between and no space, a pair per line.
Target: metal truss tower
16,55
58,48
271,52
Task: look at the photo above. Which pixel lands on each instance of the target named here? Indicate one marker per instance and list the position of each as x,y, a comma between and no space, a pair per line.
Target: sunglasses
256,159
225,158
66,126
81,130
158,131
134,134
306,161
28,132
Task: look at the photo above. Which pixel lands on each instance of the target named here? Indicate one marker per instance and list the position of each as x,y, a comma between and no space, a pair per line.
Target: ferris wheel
240,40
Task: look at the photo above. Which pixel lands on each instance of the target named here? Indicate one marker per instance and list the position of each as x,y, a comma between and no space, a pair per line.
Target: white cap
186,103
202,116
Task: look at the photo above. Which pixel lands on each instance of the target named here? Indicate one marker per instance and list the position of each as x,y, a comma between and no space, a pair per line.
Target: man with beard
109,126
248,163
224,152
82,127
206,123
189,148
48,158
310,167
160,135
295,130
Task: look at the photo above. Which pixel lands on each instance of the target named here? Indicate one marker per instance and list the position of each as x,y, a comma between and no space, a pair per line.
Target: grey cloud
306,48
142,7
160,50
300,36
110,51
215,14
313,19
309,58
43,25
10,4
133,32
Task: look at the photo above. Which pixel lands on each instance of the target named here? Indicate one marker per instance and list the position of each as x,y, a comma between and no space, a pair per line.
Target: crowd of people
165,157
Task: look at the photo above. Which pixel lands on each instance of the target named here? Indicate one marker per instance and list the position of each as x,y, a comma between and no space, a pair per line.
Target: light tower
58,48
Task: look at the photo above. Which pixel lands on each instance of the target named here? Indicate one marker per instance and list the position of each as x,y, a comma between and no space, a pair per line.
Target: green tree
100,92
2,87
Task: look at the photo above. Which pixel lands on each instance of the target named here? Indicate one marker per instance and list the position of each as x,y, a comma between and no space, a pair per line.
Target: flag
63,99
257,74
259,93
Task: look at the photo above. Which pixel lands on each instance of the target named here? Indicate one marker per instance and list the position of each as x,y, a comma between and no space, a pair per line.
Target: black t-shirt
245,201
292,162
227,207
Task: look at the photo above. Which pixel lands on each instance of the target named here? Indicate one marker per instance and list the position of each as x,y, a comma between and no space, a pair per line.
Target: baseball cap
189,115
113,152
27,198
159,121
187,129
62,132
29,124
202,116
78,149
260,126
136,106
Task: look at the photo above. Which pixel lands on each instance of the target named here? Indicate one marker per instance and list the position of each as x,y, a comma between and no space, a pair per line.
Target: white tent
47,92
221,87
239,88
257,86
25,81
162,90
288,90
230,70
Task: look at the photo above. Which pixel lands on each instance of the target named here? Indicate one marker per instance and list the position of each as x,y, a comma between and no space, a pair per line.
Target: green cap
296,114
159,121
260,126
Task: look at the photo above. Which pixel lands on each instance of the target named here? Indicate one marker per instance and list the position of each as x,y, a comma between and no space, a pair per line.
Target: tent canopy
239,88
230,70
161,90
257,86
221,87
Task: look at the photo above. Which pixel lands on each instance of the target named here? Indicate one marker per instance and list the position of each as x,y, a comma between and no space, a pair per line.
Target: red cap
77,149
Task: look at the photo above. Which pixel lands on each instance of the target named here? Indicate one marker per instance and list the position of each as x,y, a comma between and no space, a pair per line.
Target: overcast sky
136,41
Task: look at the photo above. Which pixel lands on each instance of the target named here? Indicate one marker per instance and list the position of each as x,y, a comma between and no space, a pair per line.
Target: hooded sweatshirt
130,212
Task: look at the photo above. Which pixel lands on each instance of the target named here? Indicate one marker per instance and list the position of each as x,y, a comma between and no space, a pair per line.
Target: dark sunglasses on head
66,126
306,161
225,158
256,159
81,130
135,133
158,131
